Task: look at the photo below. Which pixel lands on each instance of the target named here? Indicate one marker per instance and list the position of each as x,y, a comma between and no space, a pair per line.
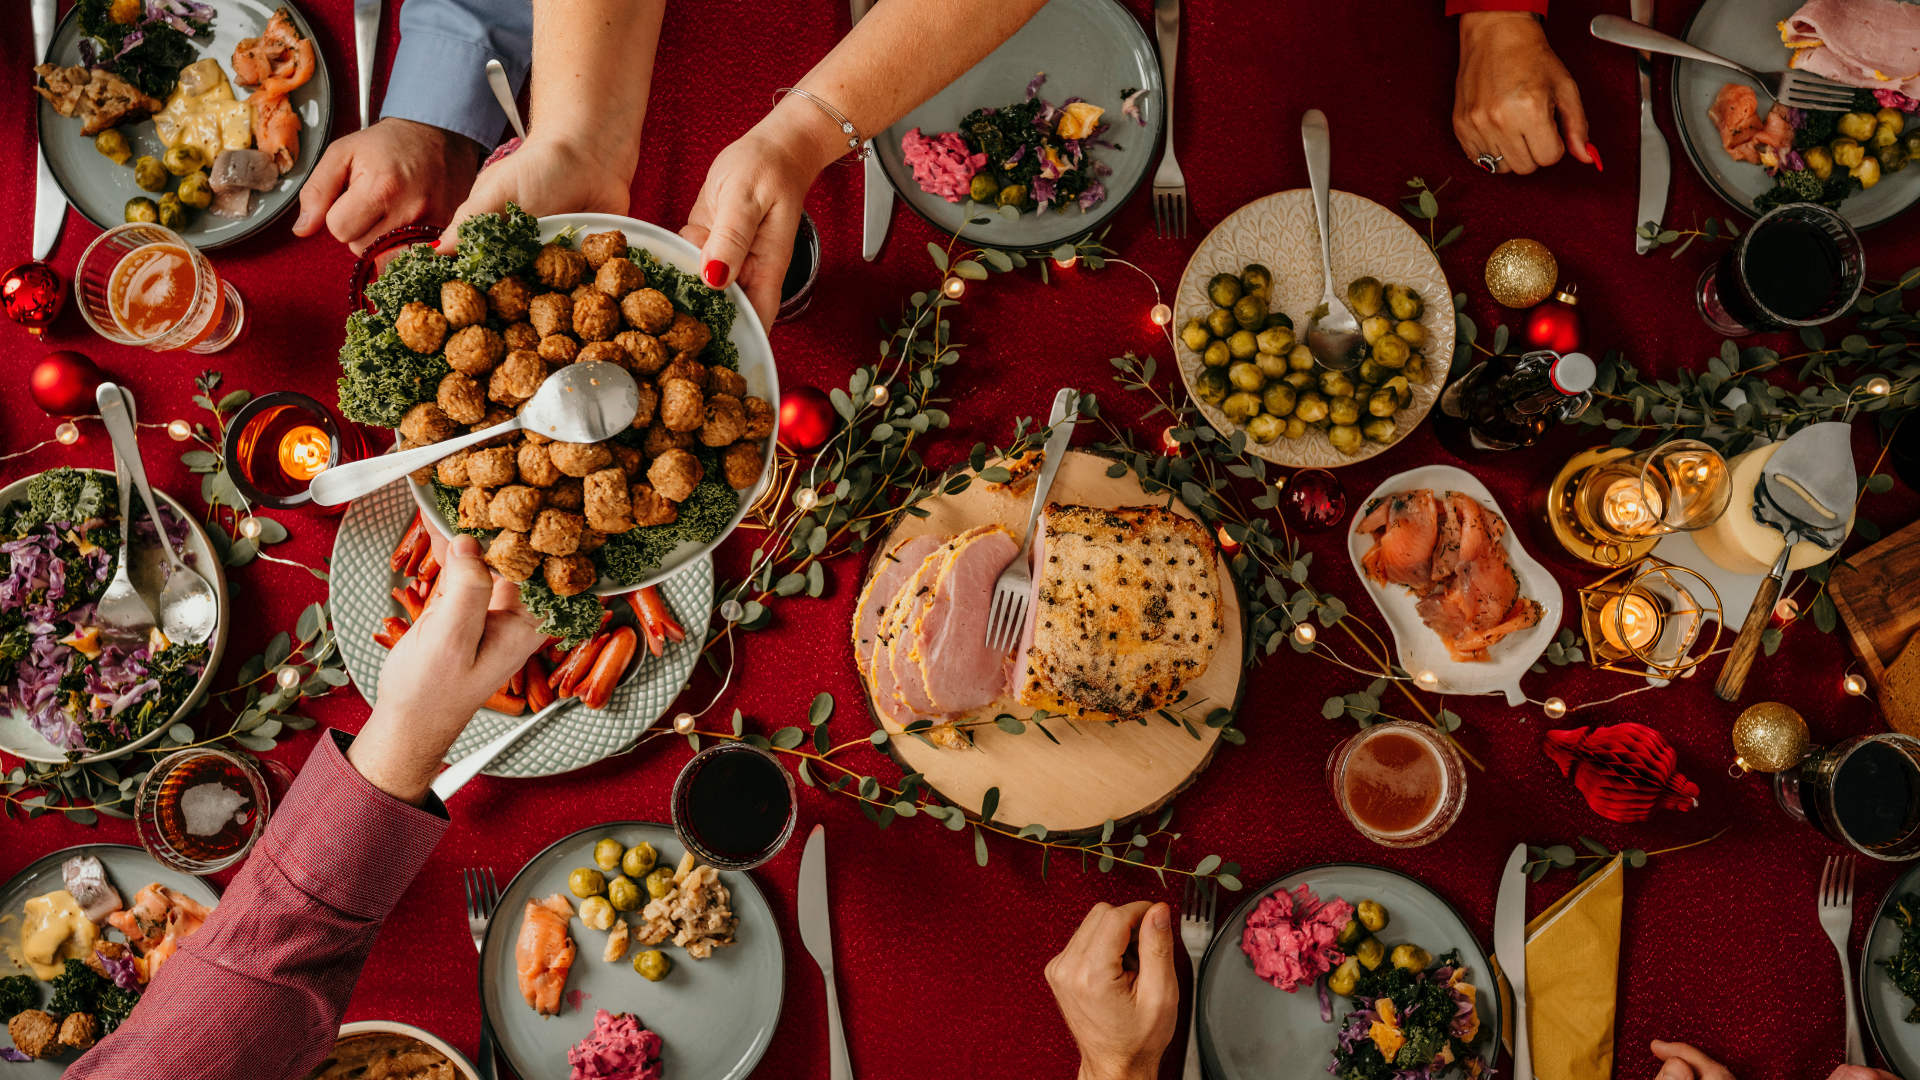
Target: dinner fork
1196,931
1794,89
483,895
1006,616
1169,183
1835,902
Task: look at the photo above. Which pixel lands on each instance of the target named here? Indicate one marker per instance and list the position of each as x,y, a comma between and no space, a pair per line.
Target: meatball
567,494
474,350
681,407
649,356
726,421
582,293
551,313
537,469
496,415
560,268
591,540
649,508
579,459
628,459
34,1034
647,310
79,1030
595,316
686,335
759,418
508,299
649,404
601,246
570,575
452,470
491,467
521,335
661,439
517,378
607,508
556,532
461,399
557,349
462,304
421,328
606,352
618,277
675,474
426,423
686,367
725,380
512,557
742,462
473,509
514,507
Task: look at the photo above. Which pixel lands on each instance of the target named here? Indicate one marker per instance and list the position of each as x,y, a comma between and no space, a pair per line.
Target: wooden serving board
1097,770
1874,592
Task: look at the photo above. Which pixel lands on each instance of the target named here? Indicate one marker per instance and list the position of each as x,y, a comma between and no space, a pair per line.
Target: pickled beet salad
1033,155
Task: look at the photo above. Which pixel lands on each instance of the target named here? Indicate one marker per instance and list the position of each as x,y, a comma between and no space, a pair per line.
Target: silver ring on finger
1490,162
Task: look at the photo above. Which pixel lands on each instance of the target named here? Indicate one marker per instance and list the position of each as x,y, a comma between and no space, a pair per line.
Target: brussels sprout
983,188
1370,952
1220,322
1346,438
1411,332
1212,386
182,160
1404,302
141,208
1350,935
1846,153
1273,367
1296,428
1380,429
1401,390
1241,344
1375,327
1411,958
597,913
113,145
1416,369
1890,115
1867,172
1884,136
1225,290
1892,158
1345,978
1372,915
659,882
1241,407
1370,371
1217,355
148,173
623,894
638,860
1820,160
1279,318
1279,398
1300,358
586,881
172,212
1245,376
1277,340
1300,380
1343,410
1014,195
653,965
606,854
1194,335
1258,279
1336,383
1383,402
1310,406
1265,428
1250,312
1364,296
1391,352
1856,125
196,191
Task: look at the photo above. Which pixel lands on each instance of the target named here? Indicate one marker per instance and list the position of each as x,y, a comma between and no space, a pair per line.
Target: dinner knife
49,201
366,33
1510,946
1656,161
878,213
816,931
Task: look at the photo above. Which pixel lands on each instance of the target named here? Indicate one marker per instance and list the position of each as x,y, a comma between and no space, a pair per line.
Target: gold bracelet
856,146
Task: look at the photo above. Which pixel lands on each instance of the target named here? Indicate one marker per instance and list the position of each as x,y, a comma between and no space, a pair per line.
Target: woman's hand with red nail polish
1513,98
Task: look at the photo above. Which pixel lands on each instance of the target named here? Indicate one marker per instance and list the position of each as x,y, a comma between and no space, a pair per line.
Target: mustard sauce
54,930
203,113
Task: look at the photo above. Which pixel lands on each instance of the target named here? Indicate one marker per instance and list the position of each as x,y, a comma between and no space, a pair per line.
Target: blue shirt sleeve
440,69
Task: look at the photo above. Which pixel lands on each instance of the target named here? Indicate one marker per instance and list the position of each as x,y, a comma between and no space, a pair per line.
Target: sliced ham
959,672
897,565
1873,44
903,625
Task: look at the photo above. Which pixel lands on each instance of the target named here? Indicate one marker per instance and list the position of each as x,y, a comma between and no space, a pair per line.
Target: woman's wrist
805,133
1479,23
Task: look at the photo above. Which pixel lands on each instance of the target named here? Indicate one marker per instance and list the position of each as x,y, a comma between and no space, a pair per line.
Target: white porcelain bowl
390,1027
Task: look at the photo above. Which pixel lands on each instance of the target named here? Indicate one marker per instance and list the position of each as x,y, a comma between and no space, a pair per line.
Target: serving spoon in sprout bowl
1333,334
586,402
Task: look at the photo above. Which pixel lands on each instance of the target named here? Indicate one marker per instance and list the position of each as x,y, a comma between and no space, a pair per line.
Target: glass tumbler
1798,265
141,284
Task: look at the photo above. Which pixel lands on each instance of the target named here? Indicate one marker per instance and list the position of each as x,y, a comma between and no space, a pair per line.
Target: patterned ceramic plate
361,597
1280,233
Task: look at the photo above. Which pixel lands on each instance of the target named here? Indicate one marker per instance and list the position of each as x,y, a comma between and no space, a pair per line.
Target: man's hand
547,176
1679,1061
473,636
1121,1019
1513,99
391,174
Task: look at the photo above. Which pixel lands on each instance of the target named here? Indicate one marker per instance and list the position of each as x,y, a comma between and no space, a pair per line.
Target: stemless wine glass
185,812
1798,265
1863,792
734,806
796,289
1425,783
141,284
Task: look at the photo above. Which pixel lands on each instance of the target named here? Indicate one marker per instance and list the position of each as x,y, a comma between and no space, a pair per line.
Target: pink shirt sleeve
260,989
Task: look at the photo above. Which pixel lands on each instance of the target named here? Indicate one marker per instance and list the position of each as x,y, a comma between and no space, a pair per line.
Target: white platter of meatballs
555,503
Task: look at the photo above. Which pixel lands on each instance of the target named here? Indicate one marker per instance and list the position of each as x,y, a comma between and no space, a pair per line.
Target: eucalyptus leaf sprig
1657,237
1425,205
217,490
1564,857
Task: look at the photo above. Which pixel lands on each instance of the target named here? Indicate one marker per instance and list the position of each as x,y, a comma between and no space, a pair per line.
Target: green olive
172,212
1380,429
1273,367
1241,407
1370,952
597,913
660,883
1212,386
1411,958
1277,340
983,188
1404,302
1310,406
196,191
1279,398
114,145
1195,336
1220,322
1217,355
653,965
1375,327
1856,125
1343,410
1299,380
586,881
141,208
1245,376
606,854
638,860
1350,935
1346,438
1225,290
1300,358
1257,278
182,160
1265,428
1242,344
1250,312
1391,351
1372,915
1014,195
1345,978
1363,296
148,173
1296,428
1411,332
623,894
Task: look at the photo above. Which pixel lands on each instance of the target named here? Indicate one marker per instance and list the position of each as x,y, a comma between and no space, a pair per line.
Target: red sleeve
1462,7
260,989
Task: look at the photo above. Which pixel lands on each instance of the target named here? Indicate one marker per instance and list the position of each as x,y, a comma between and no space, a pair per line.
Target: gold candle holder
1610,506
1647,618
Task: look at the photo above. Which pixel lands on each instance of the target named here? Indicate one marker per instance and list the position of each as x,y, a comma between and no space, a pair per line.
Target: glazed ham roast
1445,548
1872,44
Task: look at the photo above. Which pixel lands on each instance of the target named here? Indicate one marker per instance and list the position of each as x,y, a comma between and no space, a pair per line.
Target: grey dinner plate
99,189
1885,1006
1090,49
1250,1029
1747,31
715,1017
130,869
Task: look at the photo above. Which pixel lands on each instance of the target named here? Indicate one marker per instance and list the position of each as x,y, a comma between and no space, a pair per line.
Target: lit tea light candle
303,452
1631,507
1629,621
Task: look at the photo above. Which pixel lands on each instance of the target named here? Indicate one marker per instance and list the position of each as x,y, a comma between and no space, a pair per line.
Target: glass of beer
1401,784
141,284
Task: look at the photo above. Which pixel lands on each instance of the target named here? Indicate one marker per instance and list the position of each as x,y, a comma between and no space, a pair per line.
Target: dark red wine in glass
734,806
1799,265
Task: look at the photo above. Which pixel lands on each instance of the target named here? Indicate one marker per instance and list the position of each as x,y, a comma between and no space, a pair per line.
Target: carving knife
1510,945
878,212
49,202
816,932
1656,161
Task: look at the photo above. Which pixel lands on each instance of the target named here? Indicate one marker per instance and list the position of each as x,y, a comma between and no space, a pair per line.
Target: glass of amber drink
1401,784
141,284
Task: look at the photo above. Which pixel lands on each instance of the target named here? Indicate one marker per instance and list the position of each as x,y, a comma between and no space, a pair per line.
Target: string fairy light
1305,634
953,287
1854,684
1878,386
66,433
179,430
1161,314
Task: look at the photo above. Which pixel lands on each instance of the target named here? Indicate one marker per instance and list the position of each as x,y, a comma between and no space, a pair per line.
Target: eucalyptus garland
1545,860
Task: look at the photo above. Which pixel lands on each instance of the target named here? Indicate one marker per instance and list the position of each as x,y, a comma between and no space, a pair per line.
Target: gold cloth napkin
1573,971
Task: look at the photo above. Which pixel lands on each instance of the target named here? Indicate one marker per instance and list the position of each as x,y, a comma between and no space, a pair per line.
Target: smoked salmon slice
1735,113
544,953
1406,531
1447,551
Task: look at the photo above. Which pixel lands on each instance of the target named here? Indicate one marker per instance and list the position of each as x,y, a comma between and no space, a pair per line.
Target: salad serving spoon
122,607
188,608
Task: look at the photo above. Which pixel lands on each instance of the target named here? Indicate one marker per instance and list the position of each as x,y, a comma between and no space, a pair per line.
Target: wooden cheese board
1874,591
1096,771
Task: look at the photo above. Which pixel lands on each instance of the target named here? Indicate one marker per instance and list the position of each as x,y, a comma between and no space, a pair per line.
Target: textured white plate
360,596
756,367
18,738
1419,648
391,1027
1885,1007
1280,233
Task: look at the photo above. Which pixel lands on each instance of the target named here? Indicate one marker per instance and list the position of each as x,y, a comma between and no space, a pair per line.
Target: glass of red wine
1863,792
734,806
1799,265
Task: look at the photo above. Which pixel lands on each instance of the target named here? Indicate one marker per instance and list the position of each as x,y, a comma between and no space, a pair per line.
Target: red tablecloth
940,960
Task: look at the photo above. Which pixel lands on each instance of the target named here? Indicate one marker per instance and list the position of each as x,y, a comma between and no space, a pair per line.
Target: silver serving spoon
581,403
1333,334
122,607
188,608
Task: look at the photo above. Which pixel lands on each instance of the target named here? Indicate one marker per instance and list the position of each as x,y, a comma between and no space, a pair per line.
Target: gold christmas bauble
1769,737
1521,273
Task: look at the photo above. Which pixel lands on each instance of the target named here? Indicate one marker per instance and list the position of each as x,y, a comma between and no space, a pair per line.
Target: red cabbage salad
84,688
1031,155
1411,1023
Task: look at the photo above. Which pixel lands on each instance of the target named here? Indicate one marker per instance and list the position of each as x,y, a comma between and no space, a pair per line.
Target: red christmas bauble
63,383
1313,501
32,295
1555,324
1625,770
807,419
